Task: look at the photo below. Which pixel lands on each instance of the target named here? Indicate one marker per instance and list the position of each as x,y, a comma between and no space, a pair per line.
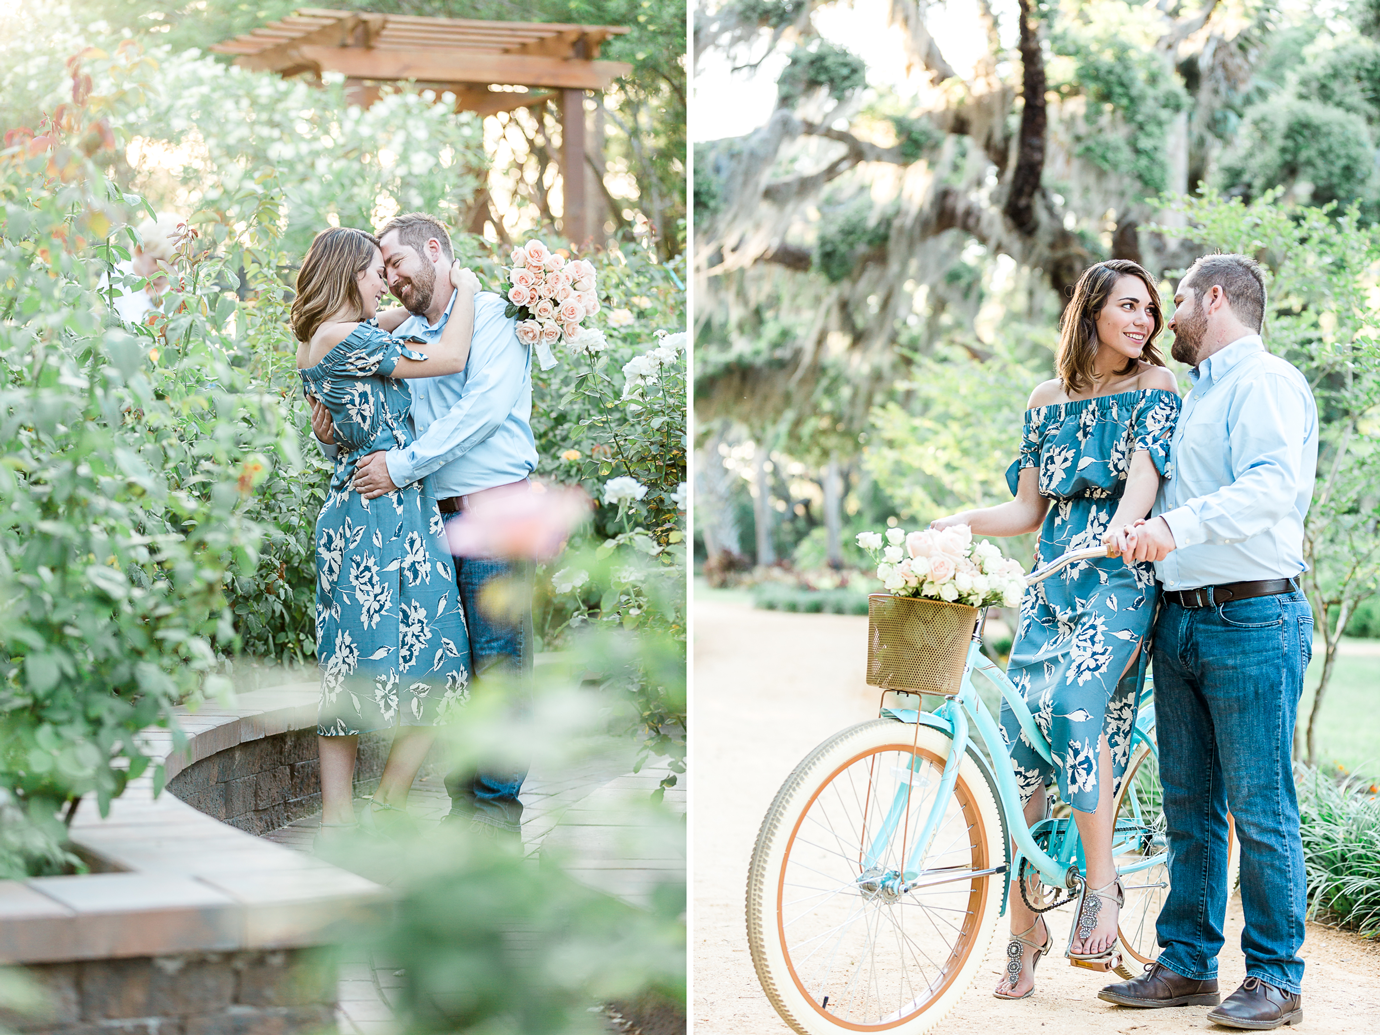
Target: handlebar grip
1064,560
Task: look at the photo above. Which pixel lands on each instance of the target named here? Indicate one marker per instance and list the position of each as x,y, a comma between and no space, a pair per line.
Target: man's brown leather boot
1160,986
1259,1006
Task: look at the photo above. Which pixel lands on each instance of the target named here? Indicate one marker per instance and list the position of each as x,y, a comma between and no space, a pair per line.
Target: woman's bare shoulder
1152,376
327,337
1046,392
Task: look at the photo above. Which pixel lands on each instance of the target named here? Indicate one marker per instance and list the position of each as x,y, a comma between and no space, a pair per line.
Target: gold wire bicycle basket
918,644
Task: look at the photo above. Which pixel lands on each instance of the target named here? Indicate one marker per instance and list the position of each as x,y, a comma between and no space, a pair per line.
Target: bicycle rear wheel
842,936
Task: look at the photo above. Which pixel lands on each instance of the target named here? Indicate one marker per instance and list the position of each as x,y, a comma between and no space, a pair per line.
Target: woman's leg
337,778
1022,917
410,745
1095,831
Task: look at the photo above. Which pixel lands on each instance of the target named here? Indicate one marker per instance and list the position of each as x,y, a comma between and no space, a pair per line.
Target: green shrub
1340,825
820,64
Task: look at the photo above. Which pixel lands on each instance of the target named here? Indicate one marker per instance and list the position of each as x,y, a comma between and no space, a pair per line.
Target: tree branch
920,46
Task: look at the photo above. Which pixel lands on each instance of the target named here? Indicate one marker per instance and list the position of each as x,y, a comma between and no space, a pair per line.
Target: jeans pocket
1306,640
1255,613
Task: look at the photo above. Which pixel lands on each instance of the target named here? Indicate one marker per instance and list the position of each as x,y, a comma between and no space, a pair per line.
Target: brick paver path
579,814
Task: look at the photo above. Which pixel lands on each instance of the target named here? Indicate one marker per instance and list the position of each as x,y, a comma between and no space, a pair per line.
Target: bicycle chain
1021,878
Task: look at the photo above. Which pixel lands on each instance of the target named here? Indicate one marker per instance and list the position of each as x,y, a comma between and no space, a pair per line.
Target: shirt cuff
399,471
1187,529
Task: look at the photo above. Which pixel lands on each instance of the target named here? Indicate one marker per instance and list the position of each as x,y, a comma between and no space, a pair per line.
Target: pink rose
519,296
536,252
942,568
570,330
529,332
921,544
955,540
521,277
553,262
550,332
559,279
565,293
544,310
583,284
546,289
519,257
590,301
967,567
572,311
586,269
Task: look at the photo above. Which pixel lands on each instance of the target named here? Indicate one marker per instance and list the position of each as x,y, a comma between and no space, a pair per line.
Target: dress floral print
390,631
1080,628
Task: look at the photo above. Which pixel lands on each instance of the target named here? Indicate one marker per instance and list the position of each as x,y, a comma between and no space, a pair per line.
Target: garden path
769,686
579,814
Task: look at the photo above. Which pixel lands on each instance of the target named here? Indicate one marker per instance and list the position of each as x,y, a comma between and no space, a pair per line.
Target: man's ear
433,249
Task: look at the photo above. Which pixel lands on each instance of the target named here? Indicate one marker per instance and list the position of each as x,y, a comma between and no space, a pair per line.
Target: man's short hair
414,229
1240,278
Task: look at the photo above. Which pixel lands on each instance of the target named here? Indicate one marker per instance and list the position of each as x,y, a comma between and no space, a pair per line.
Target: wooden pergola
474,60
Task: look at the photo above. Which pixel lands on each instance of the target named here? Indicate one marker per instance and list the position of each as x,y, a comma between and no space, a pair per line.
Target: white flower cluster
646,369
945,564
552,295
618,490
568,579
589,342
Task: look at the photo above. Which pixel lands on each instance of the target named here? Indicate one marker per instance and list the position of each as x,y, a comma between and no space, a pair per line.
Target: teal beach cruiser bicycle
881,869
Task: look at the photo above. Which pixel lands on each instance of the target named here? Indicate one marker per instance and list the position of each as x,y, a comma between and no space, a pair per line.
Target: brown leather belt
1211,596
455,504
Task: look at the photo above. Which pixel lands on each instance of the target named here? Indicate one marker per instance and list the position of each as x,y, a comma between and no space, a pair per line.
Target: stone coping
173,880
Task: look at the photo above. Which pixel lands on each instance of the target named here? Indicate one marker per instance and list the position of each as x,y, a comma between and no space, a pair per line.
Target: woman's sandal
330,835
380,818
1089,907
1015,962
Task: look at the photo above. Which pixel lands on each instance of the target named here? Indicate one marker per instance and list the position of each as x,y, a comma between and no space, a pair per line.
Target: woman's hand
462,278
949,522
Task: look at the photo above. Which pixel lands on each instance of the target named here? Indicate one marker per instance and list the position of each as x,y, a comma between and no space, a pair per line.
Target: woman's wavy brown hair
1078,326
326,282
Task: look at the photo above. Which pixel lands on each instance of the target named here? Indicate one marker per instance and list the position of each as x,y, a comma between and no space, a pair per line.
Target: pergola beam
462,66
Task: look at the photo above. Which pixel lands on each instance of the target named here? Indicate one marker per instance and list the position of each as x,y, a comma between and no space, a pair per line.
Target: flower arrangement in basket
919,635
945,564
550,296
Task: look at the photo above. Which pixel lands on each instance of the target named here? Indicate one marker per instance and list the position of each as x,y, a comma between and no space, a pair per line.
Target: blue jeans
496,645
1227,686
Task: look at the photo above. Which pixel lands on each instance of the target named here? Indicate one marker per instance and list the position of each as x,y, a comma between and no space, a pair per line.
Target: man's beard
423,290
1189,332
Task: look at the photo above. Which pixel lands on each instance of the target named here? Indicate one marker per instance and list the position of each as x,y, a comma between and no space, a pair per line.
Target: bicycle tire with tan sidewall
869,769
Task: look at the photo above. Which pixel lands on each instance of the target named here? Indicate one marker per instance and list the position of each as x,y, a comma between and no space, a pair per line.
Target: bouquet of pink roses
945,564
550,296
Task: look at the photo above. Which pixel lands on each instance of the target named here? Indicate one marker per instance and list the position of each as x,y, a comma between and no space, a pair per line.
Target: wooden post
574,223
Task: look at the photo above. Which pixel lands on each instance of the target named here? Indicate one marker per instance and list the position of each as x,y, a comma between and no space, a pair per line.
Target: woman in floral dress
1095,445
390,631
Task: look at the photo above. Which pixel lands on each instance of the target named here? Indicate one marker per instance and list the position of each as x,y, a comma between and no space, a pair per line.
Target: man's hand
1143,541
371,477
321,424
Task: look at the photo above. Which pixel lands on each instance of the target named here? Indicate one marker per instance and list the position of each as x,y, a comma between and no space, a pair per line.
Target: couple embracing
425,409
1204,499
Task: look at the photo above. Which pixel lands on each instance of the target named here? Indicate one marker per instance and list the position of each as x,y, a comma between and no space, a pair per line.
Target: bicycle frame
958,717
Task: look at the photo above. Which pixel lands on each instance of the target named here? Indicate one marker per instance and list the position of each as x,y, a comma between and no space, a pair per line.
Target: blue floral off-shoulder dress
390,631
1080,628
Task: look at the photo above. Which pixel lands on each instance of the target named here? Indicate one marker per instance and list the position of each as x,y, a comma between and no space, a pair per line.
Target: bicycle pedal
1101,966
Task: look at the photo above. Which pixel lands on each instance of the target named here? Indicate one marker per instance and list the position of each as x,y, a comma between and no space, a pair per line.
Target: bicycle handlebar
1064,560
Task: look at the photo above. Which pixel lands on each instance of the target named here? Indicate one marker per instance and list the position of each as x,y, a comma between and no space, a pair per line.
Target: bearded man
1232,640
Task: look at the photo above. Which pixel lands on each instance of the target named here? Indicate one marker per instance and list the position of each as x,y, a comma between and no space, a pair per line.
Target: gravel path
769,687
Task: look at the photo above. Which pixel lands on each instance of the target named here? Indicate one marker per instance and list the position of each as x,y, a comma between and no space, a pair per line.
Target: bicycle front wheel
849,926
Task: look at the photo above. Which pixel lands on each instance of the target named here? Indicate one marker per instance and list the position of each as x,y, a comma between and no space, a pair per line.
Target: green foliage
1346,76
1340,826
771,596
708,189
774,14
844,234
820,64
917,138
1283,142
1132,99
131,456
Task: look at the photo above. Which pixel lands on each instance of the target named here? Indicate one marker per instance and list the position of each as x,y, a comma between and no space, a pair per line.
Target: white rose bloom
589,342
895,582
948,592
870,540
895,536
1012,593
920,565
963,582
981,585
681,496
616,490
569,578
885,571
893,554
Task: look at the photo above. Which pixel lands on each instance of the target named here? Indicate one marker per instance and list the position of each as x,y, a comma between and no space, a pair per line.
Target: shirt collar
416,324
1215,367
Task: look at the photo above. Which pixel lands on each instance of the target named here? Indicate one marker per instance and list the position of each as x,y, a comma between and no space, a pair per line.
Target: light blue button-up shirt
474,428
1245,452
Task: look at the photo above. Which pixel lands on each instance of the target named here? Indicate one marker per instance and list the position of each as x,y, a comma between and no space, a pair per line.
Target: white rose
885,571
870,540
1011,595
948,592
616,490
893,554
894,583
920,565
964,582
681,496
895,536
569,578
982,585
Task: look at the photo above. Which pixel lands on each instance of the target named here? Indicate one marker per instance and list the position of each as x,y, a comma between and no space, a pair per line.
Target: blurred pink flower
921,543
942,568
532,523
